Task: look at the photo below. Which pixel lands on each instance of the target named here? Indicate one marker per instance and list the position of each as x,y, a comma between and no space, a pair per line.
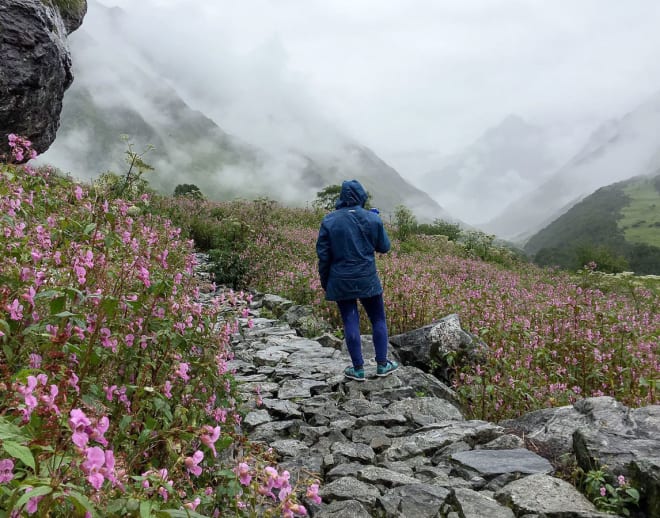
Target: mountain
618,150
617,227
507,161
119,89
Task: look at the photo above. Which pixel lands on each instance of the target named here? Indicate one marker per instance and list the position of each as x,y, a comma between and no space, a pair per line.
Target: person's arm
324,253
382,240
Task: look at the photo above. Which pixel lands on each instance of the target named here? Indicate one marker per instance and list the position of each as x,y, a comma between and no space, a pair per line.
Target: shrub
115,393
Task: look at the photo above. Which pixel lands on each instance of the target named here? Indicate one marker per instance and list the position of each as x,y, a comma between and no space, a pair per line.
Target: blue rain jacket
347,240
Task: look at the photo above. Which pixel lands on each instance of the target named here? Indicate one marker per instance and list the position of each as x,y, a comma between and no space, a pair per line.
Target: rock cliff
35,69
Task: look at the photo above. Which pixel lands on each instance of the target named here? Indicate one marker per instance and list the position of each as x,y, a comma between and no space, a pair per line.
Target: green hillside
617,227
640,220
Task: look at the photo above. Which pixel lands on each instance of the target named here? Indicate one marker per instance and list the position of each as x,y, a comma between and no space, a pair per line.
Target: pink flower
15,310
192,463
109,391
313,493
193,505
603,491
78,192
182,371
73,382
167,389
209,437
95,459
35,361
33,503
6,470
243,472
78,423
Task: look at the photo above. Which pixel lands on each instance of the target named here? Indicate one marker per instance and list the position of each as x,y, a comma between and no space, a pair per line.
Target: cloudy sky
412,79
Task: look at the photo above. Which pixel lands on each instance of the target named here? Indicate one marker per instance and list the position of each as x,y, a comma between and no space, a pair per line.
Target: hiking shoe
354,374
386,369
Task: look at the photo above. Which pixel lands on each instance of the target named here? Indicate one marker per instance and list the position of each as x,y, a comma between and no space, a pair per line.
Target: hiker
346,246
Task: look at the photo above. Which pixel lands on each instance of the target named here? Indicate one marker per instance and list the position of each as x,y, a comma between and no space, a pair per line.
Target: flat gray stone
414,501
257,417
437,409
474,504
350,488
546,496
344,509
284,408
384,476
271,356
427,442
489,463
289,447
299,388
356,451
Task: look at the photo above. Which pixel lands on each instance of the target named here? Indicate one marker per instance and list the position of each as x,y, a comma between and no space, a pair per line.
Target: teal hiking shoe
354,374
386,369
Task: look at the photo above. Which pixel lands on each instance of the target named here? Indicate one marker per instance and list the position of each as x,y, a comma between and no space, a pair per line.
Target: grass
640,219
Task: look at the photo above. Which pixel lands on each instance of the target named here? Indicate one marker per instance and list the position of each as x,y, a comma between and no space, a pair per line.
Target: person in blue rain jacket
347,242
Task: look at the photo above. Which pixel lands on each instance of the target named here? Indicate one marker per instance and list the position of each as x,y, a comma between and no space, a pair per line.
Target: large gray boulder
601,432
35,68
436,348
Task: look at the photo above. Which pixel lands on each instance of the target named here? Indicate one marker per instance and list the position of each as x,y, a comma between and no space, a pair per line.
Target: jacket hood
352,194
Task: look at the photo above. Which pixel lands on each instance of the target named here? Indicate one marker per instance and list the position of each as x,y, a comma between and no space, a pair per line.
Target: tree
405,221
327,197
605,259
188,189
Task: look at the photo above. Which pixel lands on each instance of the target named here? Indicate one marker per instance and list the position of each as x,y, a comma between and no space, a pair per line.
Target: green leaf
146,507
89,229
4,327
64,314
80,501
633,493
20,452
37,491
9,431
57,305
180,513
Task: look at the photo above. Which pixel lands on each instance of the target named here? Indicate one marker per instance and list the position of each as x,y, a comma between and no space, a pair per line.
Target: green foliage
477,243
601,258
327,197
405,222
131,185
440,227
613,497
229,243
189,189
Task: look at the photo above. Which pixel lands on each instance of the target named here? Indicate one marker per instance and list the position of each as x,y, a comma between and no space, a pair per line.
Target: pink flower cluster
35,391
98,465
21,148
277,487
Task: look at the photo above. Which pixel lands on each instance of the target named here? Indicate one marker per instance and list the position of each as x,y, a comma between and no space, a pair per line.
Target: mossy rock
72,12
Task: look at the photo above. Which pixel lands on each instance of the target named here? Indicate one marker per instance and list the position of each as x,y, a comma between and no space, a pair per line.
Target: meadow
553,336
116,399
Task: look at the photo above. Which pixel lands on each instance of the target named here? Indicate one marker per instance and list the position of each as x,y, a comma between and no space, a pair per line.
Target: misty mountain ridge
617,225
617,150
504,163
119,90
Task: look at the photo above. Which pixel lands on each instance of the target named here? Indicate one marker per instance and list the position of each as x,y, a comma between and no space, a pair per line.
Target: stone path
394,447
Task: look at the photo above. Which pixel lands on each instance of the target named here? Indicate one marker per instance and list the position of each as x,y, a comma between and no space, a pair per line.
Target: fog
417,81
